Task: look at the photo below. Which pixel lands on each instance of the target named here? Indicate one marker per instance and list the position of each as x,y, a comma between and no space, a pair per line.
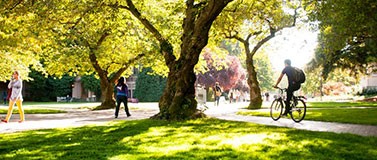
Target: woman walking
16,97
121,96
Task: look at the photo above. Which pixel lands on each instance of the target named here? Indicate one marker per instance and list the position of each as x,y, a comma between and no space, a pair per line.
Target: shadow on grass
195,139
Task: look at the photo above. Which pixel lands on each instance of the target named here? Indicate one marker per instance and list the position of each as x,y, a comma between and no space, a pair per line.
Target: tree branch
138,57
126,66
165,45
15,5
93,58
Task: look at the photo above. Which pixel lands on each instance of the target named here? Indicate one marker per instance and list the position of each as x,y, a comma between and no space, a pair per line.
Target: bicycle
298,107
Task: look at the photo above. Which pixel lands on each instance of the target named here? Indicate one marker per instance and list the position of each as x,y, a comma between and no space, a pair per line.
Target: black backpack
298,75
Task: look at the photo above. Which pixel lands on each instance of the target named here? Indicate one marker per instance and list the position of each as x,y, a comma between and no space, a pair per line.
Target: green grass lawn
341,115
33,111
194,139
343,112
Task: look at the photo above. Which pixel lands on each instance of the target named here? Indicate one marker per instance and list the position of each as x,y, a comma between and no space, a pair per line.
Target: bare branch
16,4
103,37
164,43
127,65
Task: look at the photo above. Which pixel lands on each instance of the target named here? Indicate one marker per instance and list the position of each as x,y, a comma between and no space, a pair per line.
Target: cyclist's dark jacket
289,71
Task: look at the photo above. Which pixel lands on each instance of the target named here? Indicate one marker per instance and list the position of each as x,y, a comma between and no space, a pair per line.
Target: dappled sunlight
250,139
194,139
169,141
25,153
312,114
167,148
166,140
109,130
72,144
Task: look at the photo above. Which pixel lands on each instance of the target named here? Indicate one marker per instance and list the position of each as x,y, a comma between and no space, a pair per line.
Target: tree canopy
228,77
19,46
348,37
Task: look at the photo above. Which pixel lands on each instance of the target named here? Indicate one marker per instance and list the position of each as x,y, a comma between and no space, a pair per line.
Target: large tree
75,37
348,35
178,100
253,23
91,37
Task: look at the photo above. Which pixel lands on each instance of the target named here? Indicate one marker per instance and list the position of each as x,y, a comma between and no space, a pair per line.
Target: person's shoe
20,121
128,115
5,121
116,116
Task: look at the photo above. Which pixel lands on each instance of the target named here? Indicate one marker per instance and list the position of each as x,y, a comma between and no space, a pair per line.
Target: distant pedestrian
218,92
121,94
267,95
16,97
230,96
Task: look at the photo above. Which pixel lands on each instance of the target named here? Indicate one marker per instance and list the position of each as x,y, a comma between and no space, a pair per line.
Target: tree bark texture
107,92
252,81
255,92
178,100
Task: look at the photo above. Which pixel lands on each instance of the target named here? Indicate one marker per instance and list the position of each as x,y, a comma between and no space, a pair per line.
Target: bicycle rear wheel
299,111
276,109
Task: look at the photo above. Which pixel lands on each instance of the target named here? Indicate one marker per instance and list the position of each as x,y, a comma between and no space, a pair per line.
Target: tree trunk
255,93
178,100
107,89
252,81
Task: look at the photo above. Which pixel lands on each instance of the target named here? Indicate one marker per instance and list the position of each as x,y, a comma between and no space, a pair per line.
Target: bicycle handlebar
285,89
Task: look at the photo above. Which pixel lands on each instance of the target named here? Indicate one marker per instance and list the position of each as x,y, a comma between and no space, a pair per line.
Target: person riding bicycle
292,85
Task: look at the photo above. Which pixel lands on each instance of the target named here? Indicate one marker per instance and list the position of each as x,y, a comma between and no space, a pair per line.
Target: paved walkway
75,118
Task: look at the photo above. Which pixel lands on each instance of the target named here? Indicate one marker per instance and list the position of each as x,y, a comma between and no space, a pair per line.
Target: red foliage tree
230,77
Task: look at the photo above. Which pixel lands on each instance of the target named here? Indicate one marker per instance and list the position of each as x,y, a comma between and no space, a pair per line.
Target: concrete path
79,117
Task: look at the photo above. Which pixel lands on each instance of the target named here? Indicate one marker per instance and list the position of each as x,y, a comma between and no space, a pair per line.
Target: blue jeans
121,99
217,99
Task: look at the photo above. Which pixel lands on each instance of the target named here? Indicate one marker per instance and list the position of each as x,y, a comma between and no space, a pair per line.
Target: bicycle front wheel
299,111
276,109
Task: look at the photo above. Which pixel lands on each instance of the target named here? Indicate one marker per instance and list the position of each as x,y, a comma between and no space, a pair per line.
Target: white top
16,86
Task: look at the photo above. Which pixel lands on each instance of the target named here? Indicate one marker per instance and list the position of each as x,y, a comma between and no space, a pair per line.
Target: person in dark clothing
267,96
121,94
292,85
